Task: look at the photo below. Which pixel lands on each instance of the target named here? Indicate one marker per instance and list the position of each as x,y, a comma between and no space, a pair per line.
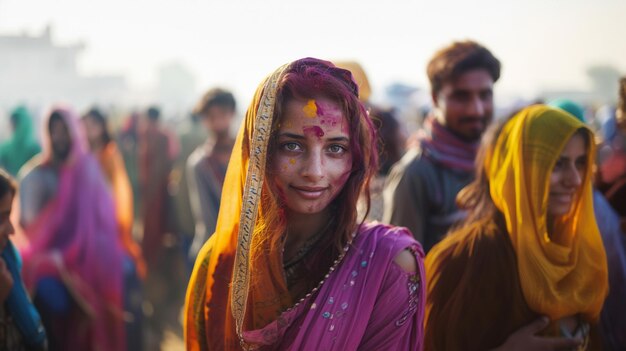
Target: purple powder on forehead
317,131
320,110
331,115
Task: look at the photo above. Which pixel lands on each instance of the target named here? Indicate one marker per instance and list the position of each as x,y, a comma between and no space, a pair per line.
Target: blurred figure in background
207,164
612,167
156,157
191,135
128,142
570,107
22,145
20,323
158,149
421,189
390,142
73,258
391,139
106,152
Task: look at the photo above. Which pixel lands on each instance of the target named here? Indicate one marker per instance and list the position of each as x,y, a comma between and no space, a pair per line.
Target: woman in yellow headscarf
529,247
290,267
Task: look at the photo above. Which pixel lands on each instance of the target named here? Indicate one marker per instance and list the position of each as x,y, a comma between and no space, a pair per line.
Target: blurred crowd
110,212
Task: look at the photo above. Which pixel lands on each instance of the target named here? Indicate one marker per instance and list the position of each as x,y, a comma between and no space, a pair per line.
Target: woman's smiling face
567,176
312,159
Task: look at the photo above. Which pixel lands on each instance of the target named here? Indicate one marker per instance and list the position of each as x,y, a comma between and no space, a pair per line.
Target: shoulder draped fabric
75,239
18,303
22,145
229,308
113,167
474,298
483,283
443,147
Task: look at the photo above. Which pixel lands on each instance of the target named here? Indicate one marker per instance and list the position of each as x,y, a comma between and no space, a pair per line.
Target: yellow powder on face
310,109
292,161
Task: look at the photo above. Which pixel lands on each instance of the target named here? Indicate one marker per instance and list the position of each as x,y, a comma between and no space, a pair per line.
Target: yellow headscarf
564,274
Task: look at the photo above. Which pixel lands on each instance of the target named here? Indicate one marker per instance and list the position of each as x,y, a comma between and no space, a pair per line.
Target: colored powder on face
292,161
320,110
315,130
332,115
310,109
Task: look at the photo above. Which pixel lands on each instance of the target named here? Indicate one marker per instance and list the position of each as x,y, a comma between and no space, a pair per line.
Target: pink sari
74,239
367,303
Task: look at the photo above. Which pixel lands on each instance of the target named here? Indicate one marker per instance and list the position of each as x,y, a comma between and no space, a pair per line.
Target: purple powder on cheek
315,130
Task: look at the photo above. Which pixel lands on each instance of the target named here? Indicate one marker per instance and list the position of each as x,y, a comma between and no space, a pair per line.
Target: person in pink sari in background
73,258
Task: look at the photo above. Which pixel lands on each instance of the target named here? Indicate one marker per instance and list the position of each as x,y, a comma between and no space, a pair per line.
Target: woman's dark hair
7,184
390,147
476,197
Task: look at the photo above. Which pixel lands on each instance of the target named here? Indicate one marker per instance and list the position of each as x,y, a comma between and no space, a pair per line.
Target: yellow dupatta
566,274
253,300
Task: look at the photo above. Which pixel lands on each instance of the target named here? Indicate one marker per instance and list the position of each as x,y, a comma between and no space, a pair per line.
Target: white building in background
37,72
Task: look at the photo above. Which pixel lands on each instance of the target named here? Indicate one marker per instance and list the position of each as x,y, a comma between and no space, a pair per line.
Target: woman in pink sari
73,259
290,266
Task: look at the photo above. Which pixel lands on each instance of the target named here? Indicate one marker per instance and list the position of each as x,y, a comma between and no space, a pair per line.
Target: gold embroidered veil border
251,198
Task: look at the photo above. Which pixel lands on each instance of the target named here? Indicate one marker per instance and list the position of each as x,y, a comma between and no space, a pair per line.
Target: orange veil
253,300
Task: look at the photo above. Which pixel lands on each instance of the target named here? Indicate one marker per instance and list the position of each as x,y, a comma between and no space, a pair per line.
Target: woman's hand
525,338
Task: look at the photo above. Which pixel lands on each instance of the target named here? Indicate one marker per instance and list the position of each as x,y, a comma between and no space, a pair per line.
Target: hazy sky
541,43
